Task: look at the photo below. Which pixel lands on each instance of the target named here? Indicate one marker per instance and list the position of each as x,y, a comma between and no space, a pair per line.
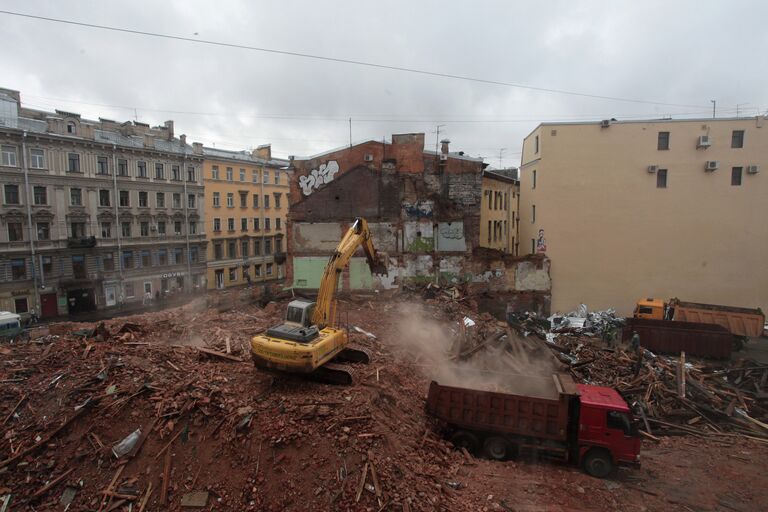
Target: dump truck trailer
585,425
667,337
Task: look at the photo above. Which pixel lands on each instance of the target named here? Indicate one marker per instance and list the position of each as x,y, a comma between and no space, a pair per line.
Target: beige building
498,210
663,208
246,197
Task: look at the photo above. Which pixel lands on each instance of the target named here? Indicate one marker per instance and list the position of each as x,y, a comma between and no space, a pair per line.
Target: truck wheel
496,447
464,439
598,463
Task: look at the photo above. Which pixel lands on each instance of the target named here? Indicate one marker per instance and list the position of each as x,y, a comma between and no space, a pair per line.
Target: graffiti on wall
318,177
541,242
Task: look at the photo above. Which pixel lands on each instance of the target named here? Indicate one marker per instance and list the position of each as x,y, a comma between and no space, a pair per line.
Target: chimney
149,141
183,139
169,127
264,151
197,148
444,146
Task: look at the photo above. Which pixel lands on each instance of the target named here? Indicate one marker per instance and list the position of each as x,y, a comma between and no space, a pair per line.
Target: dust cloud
507,363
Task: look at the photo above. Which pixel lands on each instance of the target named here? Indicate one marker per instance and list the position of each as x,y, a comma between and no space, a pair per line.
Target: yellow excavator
311,337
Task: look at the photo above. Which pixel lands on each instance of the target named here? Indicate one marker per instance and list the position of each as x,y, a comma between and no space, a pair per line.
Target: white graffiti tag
318,177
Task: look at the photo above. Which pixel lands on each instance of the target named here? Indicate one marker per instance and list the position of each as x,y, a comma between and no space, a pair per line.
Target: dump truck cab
650,308
608,434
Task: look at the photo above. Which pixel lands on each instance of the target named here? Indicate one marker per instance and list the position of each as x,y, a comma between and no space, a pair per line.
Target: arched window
71,128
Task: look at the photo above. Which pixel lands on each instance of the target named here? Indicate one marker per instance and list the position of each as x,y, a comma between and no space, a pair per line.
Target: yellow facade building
499,209
633,209
246,205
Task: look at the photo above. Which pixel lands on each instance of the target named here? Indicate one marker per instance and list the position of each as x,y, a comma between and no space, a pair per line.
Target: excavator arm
357,235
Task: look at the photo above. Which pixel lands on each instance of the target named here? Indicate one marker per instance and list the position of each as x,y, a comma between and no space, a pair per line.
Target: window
244,248
533,245
244,224
71,128
277,179
145,260
108,260
277,200
194,254
277,223
619,421
143,199
191,200
661,178
125,198
736,177
533,213
178,255
278,245
73,162
216,199
737,139
129,291
18,269
9,156
243,200
103,197
536,143
266,201
193,228
125,229
12,194
106,230
144,228
175,173
159,172
215,172
176,200
76,197
160,199
218,251
255,176
257,270
102,165
177,227
255,200
122,167
43,231
533,174
242,174
191,174
78,229
266,177
142,166
266,224
230,200
37,158
148,288
40,195
217,224
233,273
161,227
15,232
257,248
128,263
663,142
162,257
78,266
267,246
489,231
231,249
255,223
229,174
231,224
269,269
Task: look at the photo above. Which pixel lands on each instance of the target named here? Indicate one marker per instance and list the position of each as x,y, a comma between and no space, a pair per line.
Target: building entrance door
48,307
110,294
220,278
80,300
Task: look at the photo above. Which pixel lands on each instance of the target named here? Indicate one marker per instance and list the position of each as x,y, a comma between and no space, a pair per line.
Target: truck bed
495,411
673,337
738,321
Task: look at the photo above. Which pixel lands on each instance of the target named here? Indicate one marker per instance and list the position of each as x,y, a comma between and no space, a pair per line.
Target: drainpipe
186,215
116,200
263,255
25,170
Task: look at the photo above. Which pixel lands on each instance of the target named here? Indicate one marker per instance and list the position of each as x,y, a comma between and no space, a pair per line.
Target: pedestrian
33,318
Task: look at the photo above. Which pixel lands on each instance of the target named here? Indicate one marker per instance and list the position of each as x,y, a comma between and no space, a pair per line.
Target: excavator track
353,353
332,373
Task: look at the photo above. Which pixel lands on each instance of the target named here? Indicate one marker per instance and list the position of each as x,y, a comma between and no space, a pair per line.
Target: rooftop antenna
501,153
135,115
714,107
738,105
350,132
437,139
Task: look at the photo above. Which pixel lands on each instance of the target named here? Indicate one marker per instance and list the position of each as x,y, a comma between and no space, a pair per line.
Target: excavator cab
298,323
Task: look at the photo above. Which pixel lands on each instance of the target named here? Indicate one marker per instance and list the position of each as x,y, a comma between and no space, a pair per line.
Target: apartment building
498,210
246,209
653,208
95,214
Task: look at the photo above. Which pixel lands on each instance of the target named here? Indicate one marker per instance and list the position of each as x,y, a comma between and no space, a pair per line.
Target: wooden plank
361,484
10,415
166,478
219,354
52,483
142,438
379,498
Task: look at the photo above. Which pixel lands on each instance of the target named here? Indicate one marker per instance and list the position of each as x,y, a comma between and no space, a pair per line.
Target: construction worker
634,343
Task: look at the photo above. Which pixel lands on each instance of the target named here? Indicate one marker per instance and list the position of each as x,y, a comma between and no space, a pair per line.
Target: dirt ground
256,441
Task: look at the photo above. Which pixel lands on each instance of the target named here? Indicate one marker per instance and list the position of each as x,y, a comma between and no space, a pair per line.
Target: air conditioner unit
443,157
703,142
712,165
153,228
368,158
653,168
605,123
753,169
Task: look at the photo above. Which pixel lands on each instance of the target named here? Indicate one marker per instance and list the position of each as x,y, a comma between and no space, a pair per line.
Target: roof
602,397
508,175
244,156
650,301
7,315
455,155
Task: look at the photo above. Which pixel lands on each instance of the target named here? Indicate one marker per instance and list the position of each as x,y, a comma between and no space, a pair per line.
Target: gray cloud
674,52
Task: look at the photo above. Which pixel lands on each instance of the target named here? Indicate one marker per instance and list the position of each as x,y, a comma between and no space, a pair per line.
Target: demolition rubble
165,411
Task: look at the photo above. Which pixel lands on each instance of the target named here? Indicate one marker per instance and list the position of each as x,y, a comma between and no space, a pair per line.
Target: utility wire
344,61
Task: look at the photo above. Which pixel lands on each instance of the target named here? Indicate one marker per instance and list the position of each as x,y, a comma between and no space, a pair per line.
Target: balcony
83,242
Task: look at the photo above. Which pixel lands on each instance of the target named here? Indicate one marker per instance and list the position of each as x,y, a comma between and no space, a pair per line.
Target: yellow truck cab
650,308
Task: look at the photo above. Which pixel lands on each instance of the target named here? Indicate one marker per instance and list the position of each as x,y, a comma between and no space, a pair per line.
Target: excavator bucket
379,265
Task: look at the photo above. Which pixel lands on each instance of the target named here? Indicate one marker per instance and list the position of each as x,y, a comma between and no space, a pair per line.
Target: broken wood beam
219,354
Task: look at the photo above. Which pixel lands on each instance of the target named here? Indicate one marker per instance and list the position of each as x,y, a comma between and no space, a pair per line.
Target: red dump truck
590,426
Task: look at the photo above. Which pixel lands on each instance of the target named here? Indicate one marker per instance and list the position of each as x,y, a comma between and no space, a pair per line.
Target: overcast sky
681,52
